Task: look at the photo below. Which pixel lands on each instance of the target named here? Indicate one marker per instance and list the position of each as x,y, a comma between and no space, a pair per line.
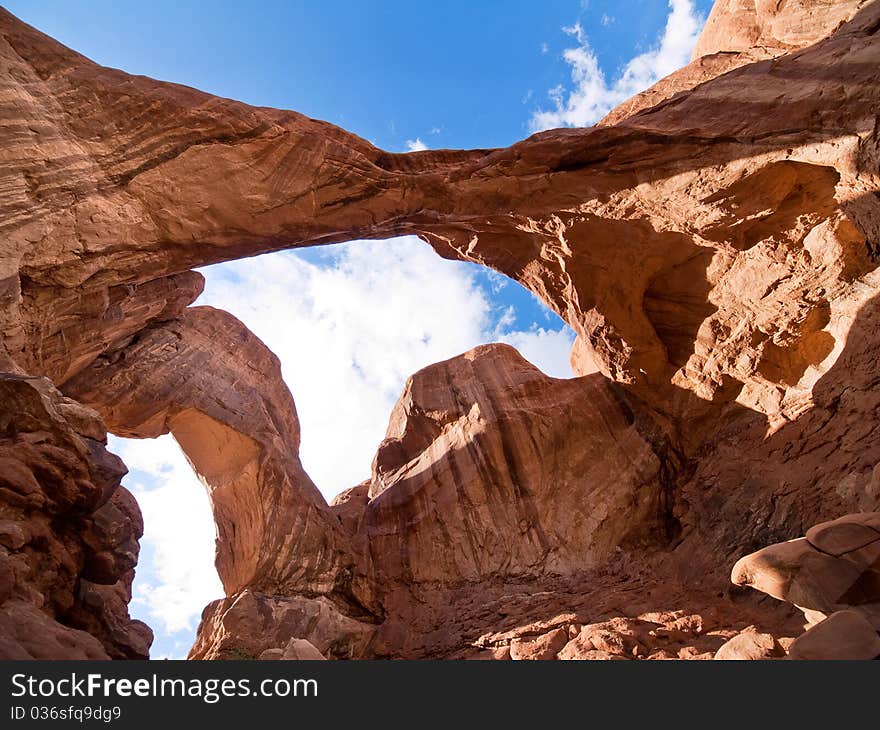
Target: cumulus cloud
592,96
415,145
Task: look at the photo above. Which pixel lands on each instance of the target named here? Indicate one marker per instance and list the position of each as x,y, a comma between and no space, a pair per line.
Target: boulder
543,647
301,650
750,645
843,635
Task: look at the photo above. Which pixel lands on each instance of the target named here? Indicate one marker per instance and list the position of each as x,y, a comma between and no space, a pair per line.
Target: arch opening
349,323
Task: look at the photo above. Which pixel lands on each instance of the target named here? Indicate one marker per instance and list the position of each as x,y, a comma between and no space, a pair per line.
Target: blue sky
351,322
388,71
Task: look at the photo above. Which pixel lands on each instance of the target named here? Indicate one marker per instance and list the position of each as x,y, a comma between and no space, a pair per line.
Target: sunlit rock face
714,242
205,378
480,470
742,25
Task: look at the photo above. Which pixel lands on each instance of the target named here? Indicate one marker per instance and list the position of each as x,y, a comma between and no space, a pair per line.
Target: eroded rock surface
750,646
246,625
843,635
479,475
691,240
275,531
714,242
68,531
833,576
835,567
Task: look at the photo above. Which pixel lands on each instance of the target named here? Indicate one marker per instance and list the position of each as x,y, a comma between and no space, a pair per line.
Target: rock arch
646,233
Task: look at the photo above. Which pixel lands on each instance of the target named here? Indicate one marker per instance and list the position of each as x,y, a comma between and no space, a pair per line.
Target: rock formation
714,242
833,575
68,533
480,474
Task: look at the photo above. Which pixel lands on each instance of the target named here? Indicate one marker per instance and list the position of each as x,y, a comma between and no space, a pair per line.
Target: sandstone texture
750,645
714,242
479,466
833,576
274,528
68,533
843,635
296,650
835,567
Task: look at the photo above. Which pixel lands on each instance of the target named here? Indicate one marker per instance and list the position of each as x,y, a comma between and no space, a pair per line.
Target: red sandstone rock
296,649
846,534
67,527
245,625
630,638
843,635
301,650
594,655
832,571
26,632
245,444
750,645
180,168
740,25
713,242
481,471
819,582
543,647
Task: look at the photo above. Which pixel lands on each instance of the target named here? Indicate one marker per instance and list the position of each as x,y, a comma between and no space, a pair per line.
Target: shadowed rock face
833,575
68,531
713,242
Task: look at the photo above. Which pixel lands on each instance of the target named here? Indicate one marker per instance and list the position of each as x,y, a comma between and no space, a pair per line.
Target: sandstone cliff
714,242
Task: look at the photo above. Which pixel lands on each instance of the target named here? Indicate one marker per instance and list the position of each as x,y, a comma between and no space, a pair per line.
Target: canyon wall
714,242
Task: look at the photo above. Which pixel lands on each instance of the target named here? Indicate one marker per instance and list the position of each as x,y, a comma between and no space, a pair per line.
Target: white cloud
176,576
497,282
550,348
415,145
592,96
607,20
